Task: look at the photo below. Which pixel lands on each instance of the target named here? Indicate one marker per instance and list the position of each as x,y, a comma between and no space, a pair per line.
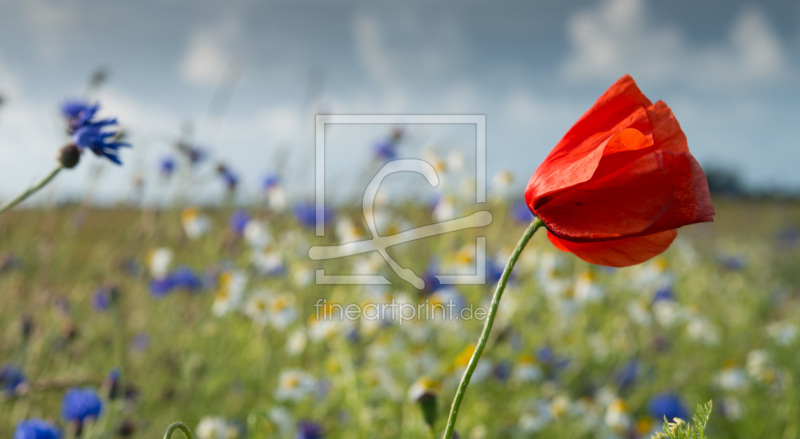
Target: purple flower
101,143
11,377
79,114
193,153
664,293
308,430
79,405
36,429
521,212
185,278
166,167
111,384
667,405
238,221
270,181
432,283
385,151
101,300
230,179
160,287
306,214
141,341
627,376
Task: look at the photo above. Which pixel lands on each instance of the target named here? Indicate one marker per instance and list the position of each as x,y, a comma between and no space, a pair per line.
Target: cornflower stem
32,190
487,326
178,426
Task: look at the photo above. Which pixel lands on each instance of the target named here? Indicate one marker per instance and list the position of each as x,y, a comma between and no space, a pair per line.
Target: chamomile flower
526,370
295,385
502,183
421,387
215,427
618,417
159,261
256,234
276,196
268,263
587,289
194,223
783,333
731,378
347,231
482,371
445,209
296,342
329,322
535,417
276,310
230,292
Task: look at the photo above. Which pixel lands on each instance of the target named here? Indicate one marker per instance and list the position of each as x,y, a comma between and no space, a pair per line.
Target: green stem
178,426
21,197
487,326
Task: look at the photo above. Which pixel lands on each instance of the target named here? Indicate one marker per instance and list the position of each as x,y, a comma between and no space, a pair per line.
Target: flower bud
69,156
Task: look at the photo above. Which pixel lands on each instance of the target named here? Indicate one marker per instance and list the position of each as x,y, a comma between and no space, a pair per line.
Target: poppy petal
624,203
574,159
618,252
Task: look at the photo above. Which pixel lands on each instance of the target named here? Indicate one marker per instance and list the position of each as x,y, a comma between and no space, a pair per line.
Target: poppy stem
178,426
487,326
21,197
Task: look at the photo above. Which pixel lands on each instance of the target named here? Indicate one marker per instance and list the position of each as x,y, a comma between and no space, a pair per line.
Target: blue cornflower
11,377
502,371
102,143
238,221
548,358
36,429
111,384
521,212
101,300
385,151
160,287
308,430
193,153
432,283
732,262
664,293
270,181
166,166
230,179
627,376
81,404
494,271
79,114
185,278
667,405
141,341
306,214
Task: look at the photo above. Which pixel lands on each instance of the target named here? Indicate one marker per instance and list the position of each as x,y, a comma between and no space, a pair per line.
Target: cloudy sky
250,75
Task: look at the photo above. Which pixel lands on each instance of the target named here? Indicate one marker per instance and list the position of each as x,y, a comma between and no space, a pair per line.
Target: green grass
198,364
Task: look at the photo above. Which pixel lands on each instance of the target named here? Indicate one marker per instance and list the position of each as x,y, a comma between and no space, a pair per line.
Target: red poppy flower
621,181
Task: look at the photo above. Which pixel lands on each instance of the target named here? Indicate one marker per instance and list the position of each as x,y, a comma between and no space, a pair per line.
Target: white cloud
50,20
619,37
9,84
211,53
406,46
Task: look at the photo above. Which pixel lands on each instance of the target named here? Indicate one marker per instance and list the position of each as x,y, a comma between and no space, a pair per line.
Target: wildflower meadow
412,286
